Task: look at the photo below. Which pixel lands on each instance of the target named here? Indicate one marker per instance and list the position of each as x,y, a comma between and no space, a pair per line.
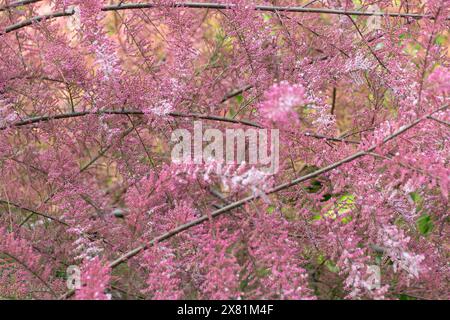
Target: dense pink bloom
89,102
440,80
21,268
280,103
95,277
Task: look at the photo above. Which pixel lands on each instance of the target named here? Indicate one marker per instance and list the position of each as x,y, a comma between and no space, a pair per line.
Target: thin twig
319,136
9,203
217,6
29,22
17,4
224,6
440,121
368,45
69,115
333,103
24,265
236,93
34,120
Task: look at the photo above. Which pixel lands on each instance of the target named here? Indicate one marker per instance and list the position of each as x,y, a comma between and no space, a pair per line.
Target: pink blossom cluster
95,278
280,103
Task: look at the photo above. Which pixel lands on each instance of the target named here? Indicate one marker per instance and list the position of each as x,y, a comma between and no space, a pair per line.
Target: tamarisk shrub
91,90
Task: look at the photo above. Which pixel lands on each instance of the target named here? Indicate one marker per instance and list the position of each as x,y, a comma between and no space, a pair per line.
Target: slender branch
236,93
69,115
216,118
440,121
85,167
224,6
248,199
333,103
35,274
17,4
33,211
29,22
425,62
405,128
374,154
368,45
319,136
34,120
217,6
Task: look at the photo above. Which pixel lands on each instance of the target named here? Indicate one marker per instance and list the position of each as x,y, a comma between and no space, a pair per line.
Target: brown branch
33,211
35,274
425,62
333,103
243,201
29,22
368,45
224,6
217,6
440,121
216,118
407,166
319,136
236,93
34,120
85,167
17,4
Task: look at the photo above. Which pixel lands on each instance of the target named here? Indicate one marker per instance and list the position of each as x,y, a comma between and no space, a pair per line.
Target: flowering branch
248,199
439,121
193,5
341,101
69,115
31,271
29,22
9,203
224,6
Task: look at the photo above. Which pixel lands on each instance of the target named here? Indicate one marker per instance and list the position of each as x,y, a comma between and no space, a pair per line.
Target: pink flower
280,102
95,276
439,79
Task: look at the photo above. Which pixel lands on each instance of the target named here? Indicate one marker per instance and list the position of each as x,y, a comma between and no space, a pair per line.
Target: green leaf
61,274
243,285
415,197
440,40
266,17
332,266
424,224
315,186
344,205
347,219
270,209
231,112
263,272
326,197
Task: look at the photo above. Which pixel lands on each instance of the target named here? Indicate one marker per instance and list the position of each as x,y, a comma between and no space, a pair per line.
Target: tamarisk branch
248,199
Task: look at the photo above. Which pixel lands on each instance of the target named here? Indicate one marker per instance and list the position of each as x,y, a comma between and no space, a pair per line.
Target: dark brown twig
17,4
217,6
